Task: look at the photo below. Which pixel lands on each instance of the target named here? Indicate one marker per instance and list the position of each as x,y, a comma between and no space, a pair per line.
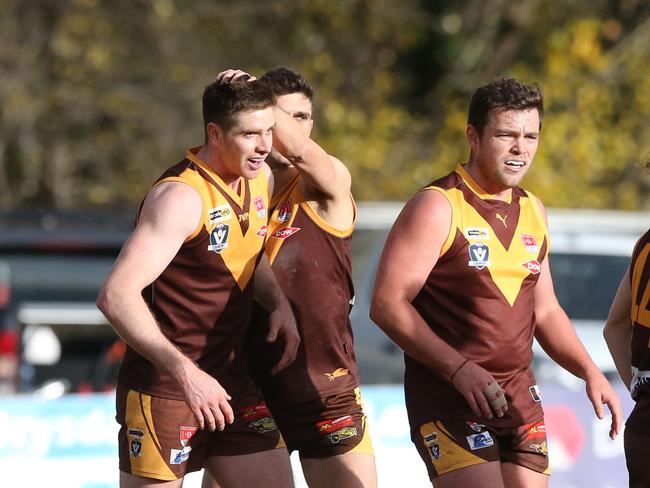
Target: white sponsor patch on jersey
477,233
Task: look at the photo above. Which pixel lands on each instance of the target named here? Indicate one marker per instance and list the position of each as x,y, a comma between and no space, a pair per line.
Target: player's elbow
107,300
610,332
297,151
380,307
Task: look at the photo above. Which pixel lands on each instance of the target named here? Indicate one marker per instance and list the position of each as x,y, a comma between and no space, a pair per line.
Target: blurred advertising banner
71,441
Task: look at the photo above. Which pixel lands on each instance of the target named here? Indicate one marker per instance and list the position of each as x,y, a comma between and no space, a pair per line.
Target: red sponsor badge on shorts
186,433
335,424
263,230
254,412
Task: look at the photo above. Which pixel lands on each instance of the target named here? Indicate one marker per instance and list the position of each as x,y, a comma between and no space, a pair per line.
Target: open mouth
256,163
515,163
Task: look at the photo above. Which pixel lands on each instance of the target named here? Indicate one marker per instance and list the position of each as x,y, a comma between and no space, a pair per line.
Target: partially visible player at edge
316,400
462,287
180,295
627,333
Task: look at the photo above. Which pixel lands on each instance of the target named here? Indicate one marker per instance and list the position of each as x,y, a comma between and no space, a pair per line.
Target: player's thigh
327,427
132,481
270,469
636,458
524,455
349,470
485,475
515,476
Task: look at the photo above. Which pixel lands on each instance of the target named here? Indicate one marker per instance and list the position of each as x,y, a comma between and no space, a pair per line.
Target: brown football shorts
326,427
448,445
159,437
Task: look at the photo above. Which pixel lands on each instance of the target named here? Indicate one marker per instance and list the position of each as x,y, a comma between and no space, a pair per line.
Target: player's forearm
618,331
401,322
618,338
558,338
267,290
311,160
288,137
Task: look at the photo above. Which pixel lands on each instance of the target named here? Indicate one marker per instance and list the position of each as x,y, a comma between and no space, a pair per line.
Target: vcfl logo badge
219,238
479,255
533,266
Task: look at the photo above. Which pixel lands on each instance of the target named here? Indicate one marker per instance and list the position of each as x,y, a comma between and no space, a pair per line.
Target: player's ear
214,133
472,136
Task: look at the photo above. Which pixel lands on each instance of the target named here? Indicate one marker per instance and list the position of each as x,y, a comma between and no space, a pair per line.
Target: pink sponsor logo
286,232
533,266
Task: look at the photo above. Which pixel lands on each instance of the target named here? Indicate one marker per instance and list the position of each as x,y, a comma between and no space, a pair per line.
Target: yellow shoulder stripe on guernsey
639,313
451,234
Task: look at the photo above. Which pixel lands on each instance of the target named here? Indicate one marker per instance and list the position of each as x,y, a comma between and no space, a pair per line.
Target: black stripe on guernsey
243,223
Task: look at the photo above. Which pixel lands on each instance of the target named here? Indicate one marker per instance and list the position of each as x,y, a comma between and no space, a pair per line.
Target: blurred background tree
98,97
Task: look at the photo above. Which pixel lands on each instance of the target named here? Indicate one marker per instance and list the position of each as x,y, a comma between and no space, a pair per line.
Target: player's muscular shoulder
172,207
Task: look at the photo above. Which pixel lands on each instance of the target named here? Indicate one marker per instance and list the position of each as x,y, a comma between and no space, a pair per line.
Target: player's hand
483,394
282,326
231,75
601,392
206,398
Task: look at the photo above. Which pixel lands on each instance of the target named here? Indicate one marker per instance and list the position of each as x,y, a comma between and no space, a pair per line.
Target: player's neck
214,161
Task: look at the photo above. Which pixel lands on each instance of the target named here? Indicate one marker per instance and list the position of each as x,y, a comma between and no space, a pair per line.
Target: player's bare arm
170,213
282,323
421,230
618,330
325,176
558,338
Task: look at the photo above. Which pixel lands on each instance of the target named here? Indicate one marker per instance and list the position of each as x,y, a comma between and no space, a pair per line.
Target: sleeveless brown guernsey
479,299
312,264
639,420
640,315
202,300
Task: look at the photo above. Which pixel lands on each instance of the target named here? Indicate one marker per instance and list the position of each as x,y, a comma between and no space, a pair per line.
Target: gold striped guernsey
479,298
640,314
202,300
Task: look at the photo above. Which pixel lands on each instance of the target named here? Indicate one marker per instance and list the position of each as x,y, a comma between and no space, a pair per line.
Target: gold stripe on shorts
149,463
445,453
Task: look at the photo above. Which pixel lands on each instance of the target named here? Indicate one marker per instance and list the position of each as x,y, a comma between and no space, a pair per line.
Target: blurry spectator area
52,265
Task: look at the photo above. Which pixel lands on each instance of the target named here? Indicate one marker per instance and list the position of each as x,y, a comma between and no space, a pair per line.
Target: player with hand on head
316,400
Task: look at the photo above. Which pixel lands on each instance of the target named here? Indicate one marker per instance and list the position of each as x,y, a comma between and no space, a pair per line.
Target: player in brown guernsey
627,333
315,401
466,310
180,296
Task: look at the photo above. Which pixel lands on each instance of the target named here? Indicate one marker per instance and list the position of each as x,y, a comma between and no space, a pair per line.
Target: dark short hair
222,102
284,81
503,94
